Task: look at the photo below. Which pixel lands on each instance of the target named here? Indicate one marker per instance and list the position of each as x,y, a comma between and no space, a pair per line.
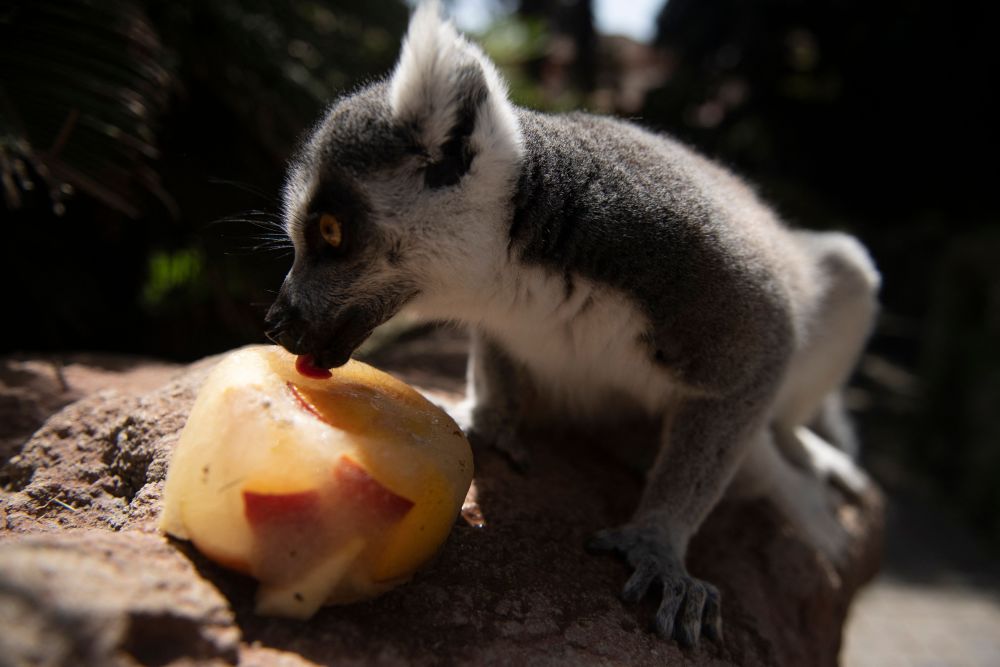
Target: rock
96,599
518,589
99,462
31,389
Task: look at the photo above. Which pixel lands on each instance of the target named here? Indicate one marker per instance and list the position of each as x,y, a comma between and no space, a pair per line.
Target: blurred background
143,145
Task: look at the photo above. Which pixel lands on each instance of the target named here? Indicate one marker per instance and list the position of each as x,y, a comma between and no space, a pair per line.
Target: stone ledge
521,589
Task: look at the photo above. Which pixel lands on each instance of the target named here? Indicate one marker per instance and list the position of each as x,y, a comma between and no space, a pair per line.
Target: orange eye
329,227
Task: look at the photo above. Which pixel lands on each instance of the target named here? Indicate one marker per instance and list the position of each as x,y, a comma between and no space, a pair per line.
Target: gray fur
602,269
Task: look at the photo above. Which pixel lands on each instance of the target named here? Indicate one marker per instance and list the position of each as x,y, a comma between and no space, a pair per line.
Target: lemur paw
689,607
485,428
504,441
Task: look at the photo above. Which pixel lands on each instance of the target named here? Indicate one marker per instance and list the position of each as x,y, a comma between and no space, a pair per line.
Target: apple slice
356,487
282,508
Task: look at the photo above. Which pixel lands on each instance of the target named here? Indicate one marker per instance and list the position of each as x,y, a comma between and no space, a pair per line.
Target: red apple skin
282,508
356,492
304,403
356,487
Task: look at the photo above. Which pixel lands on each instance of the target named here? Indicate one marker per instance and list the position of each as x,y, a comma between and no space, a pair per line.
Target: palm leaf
82,87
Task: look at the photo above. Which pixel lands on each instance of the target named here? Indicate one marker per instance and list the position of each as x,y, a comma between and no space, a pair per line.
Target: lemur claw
689,607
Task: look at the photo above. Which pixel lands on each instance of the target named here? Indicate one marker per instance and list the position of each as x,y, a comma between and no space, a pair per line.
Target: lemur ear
447,91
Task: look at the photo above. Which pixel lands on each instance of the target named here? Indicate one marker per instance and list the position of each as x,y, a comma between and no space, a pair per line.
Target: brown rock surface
520,589
94,598
33,388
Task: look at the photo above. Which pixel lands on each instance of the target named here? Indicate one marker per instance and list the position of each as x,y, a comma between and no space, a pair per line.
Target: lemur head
395,192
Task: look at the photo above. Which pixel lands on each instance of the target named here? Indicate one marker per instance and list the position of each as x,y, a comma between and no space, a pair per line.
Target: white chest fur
581,344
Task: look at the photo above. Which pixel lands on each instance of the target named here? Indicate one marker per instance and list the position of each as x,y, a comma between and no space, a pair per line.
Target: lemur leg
833,424
492,411
703,445
810,392
796,492
831,463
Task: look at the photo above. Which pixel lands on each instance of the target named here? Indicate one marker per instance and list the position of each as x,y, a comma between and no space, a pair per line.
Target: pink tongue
305,364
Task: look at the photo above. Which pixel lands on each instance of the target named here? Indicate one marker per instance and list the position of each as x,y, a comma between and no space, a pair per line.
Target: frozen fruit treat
325,489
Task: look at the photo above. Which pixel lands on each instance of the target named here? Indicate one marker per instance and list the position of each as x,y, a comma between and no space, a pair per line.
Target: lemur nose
281,321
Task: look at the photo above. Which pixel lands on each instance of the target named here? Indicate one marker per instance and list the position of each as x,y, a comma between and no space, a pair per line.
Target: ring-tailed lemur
597,264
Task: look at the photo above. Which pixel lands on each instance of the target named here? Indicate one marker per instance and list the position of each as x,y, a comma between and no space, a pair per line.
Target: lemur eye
330,230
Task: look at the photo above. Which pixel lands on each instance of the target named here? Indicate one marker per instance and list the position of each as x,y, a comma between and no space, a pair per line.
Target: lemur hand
689,607
486,427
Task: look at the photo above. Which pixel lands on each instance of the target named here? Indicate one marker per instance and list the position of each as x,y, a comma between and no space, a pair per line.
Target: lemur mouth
330,343
338,342
339,353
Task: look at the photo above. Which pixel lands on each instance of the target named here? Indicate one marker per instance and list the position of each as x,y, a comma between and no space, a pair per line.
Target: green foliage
170,272
514,42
